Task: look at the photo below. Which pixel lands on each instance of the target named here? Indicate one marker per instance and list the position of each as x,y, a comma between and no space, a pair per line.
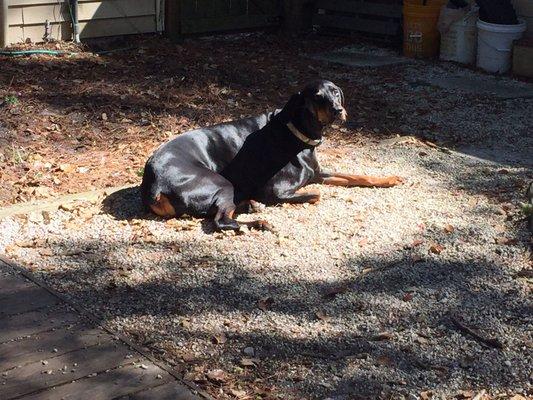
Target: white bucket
495,43
524,10
459,43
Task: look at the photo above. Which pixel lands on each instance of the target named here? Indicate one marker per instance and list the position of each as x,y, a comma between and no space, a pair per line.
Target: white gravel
387,332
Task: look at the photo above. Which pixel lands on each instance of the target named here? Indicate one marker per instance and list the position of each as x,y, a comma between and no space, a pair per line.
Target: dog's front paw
391,181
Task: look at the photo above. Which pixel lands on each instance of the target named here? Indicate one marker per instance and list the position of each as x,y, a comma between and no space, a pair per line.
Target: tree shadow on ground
424,349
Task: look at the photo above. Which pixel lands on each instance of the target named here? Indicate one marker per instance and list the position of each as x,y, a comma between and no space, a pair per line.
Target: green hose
21,53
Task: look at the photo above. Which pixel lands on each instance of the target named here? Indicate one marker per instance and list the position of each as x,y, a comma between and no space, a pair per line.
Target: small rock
249,351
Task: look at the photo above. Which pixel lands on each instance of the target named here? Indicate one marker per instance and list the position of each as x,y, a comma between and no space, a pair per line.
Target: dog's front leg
348,180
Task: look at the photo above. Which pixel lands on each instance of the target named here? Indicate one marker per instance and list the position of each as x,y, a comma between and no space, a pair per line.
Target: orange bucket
421,38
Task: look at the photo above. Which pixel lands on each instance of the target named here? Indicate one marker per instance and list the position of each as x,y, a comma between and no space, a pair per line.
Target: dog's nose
341,112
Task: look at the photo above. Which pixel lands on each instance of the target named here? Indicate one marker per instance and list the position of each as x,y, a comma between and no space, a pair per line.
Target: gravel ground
354,297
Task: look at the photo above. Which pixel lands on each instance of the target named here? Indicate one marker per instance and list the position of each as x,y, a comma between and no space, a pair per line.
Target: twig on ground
465,329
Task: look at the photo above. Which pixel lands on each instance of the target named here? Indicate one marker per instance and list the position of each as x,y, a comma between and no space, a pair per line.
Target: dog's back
192,155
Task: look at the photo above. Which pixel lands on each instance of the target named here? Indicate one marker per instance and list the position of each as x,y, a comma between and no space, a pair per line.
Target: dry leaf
449,228
334,291
417,242
25,243
465,394
249,362
505,241
383,336
426,395
363,242
46,252
408,296
217,375
322,316
238,393
416,258
66,168
385,361
436,248
220,338
265,303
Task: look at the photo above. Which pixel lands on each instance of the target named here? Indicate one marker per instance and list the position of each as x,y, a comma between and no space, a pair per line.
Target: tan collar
302,137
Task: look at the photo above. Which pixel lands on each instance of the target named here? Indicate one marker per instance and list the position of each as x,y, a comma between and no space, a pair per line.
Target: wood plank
118,26
34,322
58,12
91,10
170,391
16,3
357,24
61,31
362,7
44,345
32,298
34,377
229,23
114,383
11,283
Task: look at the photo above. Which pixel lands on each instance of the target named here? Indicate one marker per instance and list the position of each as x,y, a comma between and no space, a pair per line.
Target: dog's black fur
210,171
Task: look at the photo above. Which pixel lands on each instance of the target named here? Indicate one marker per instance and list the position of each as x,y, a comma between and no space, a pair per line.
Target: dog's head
325,100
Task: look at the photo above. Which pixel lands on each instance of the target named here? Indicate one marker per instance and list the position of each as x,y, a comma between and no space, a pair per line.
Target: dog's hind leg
224,218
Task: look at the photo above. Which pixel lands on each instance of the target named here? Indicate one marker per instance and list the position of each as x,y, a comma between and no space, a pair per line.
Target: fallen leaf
25,243
46,252
334,291
217,375
220,338
481,396
69,207
66,168
517,397
417,242
505,241
416,258
249,362
363,242
465,394
385,361
322,316
238,393
449,228
408,296
436,248
265,303
426,395
383,336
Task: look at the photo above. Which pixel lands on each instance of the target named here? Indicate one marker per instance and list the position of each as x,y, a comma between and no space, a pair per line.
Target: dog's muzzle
341,113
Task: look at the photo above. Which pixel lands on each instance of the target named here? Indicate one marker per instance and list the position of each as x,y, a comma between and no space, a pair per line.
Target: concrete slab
358,59
484,86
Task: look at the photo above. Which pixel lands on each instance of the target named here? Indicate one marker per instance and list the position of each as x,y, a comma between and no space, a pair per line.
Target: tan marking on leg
338,179
162,207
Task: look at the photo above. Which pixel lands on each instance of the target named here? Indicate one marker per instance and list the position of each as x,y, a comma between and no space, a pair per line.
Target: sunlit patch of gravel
396,263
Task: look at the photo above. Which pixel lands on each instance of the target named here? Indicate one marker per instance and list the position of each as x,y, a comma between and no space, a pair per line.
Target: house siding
27,18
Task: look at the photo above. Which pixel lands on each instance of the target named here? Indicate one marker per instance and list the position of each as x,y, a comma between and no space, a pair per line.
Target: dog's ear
295,102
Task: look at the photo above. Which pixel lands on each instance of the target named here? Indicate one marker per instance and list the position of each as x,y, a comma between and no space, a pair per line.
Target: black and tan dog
268,158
